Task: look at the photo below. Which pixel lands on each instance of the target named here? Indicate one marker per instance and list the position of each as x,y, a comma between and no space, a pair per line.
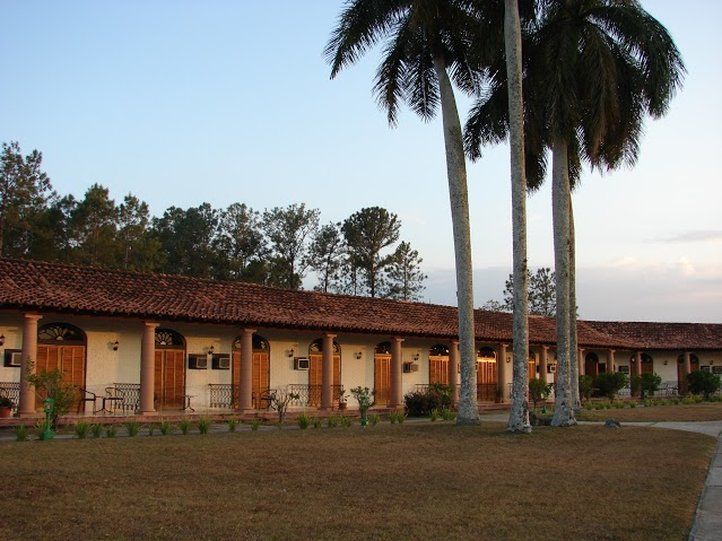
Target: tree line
280,246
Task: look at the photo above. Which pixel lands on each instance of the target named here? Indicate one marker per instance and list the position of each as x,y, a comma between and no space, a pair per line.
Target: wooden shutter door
382,379
261,378
438,369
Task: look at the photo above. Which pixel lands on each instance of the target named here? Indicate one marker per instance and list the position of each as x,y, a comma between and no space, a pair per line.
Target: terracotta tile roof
42,286
653,335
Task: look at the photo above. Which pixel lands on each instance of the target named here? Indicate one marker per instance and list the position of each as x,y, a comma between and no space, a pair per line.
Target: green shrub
374,419
648,403
96,430
586,386
635,384
255,423
151,428
619,405
365,398
436,396
21,433
345,422
110,431
434,414
184,426
331,421
610,383
632,404
232,424
203,425
447,414
51,385
649,384
397,417
133,427
165,428
81,430
703,383
317,422
303,421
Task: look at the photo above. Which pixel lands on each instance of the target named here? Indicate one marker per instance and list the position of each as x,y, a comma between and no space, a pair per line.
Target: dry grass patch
387,482
709,411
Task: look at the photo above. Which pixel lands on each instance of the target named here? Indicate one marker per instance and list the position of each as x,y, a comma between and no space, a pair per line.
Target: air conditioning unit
13,357
221,361
410,367
198,362
301,363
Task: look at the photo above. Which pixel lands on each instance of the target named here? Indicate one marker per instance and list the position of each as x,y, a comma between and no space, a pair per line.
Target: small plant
539,391
184,426
619,405
303,421
632,404
365,398
447,414
81,430
397,417
255,423
434,415
317,422
96,430
165,428
331,421
374,419
279,400
50,384
586,387
203,425
110,431
232,424
151,429
649,384
346,422
21,433
133,427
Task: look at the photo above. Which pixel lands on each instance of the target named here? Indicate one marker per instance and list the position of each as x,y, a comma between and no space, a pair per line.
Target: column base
151,413
30,415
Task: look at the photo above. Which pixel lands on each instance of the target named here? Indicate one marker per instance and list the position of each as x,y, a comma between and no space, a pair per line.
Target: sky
182,102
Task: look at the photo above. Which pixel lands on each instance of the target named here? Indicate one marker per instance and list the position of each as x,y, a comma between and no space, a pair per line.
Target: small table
187,403
112,397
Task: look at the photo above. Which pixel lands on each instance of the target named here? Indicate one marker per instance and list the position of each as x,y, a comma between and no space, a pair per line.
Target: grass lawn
387,482
710,411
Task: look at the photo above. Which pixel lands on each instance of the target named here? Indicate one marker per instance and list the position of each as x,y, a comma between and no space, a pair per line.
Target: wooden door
170,380
486,380
532,368
647,365
70,360
315,378
382,379
693,366
439,369
591,367
260,378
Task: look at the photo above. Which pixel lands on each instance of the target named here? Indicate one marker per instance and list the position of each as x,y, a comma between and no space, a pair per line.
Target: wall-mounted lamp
290,352
415,357
358,354
508,359
665,362
2,339
116,345
211,350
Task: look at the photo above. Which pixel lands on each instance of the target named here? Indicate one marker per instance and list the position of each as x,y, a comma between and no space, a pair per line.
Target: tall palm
519,414
595,69
426,48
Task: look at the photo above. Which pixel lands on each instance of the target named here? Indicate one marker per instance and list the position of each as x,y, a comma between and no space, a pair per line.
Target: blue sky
222,101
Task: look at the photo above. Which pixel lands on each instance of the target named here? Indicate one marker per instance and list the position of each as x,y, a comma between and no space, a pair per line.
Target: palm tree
597,68
426,48
519,415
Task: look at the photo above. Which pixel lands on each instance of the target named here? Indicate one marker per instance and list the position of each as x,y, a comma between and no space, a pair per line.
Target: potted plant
365,399
342,399
6,406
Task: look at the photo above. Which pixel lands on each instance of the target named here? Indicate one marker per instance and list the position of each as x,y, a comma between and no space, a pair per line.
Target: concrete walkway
708,520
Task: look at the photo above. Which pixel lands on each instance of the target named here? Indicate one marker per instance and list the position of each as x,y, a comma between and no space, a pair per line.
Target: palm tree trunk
459,198
573,344
563,411
519,415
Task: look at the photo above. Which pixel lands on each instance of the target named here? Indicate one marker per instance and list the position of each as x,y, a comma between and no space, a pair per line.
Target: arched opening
647,364
62,347
591,364
260,371
170,373
382,373
439,364
693,366
486,374
315,372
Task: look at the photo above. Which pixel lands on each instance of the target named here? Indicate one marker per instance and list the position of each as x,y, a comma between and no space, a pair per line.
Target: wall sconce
290,353
665,362
508,359
415,357
2,339
211,350
358,354
116,345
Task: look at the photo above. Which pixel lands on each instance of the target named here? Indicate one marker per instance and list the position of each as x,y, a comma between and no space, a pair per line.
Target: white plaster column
245,385
610,361
543,363
396,394
147,369
500,371
26,402
327,372
581,362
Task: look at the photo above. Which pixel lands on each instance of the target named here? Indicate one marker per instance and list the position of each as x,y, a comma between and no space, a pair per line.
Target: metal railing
11,390
310,395
129,394
221,395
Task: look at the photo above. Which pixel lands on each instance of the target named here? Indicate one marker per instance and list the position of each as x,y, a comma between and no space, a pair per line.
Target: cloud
700,235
